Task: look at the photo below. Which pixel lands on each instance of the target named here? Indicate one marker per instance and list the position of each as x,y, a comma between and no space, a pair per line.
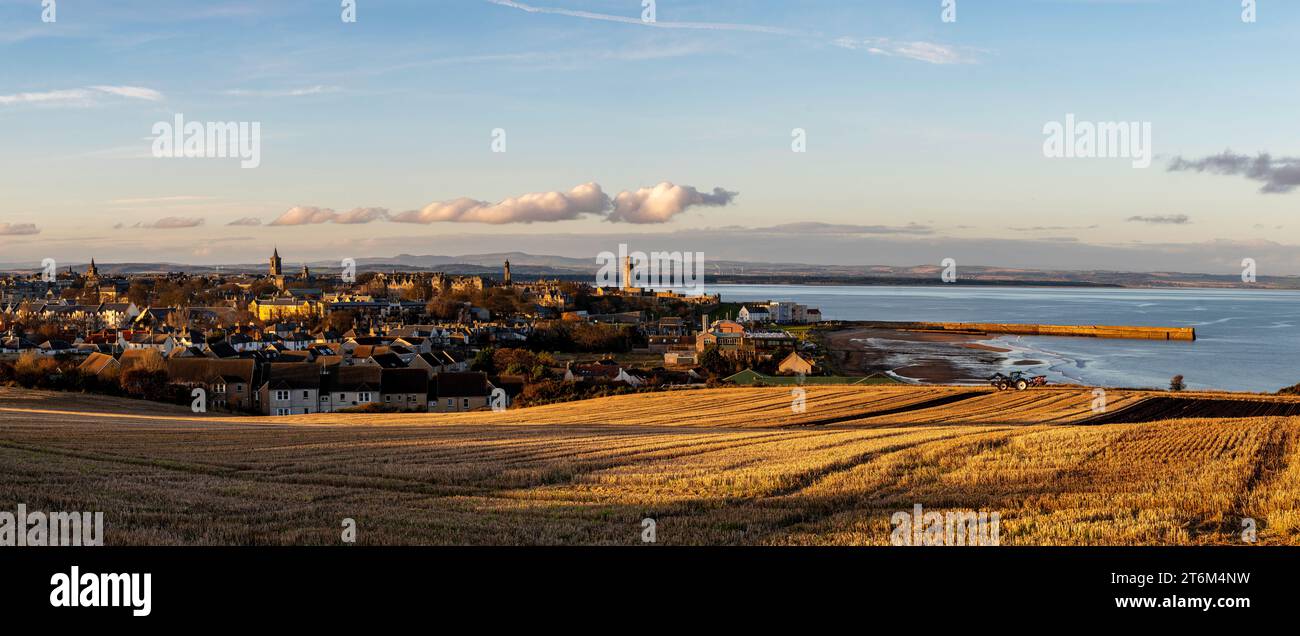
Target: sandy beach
923,356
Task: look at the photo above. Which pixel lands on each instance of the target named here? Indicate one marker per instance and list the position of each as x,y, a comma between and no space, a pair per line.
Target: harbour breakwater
1074,331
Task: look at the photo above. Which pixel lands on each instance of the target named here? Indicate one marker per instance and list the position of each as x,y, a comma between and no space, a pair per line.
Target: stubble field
715,467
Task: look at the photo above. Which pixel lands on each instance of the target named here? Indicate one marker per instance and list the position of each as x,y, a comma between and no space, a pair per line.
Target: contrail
701,26
920,51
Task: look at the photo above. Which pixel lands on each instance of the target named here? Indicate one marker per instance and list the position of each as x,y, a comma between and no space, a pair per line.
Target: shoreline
918,356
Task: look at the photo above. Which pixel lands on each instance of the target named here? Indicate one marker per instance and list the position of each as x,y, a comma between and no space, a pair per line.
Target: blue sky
924,138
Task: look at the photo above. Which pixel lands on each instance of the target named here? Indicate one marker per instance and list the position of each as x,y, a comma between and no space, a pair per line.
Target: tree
484,360
145,383
714,362
1176,384
138,293
342,320
443,308
35,370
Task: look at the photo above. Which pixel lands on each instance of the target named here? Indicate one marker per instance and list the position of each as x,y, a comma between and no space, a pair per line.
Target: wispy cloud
622,19
133,92
921,51
1167,219
246,221
165,223
840,229
18,229
157,200
319,89
1279,174
82,96
1053,228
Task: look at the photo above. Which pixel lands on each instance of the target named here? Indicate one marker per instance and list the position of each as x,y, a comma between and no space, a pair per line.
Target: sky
864,132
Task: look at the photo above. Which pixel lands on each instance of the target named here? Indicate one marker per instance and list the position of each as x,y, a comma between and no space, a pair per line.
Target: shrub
36,370
375,407
1176,383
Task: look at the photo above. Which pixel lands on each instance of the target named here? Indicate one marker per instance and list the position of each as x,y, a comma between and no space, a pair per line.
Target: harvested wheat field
718,466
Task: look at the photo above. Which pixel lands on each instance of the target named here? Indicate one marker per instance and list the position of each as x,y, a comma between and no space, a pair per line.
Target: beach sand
924,356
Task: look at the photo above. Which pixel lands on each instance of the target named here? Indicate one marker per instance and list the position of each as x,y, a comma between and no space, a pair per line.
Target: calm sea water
1247,340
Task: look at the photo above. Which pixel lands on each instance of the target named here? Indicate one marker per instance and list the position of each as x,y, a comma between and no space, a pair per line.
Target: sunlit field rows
727,466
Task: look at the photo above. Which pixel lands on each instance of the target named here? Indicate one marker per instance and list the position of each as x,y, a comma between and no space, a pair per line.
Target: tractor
1017,380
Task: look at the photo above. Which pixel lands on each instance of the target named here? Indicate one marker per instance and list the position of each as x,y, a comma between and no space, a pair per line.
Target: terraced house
345,387
291,388
406,389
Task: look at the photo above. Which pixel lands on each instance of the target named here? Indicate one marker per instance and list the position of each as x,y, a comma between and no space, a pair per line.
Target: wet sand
924,356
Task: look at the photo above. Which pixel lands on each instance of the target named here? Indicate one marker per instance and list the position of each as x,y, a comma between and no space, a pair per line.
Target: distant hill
524,265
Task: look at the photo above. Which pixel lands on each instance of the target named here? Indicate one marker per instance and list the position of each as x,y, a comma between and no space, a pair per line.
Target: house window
283,411
343,397
465,403
365,397
451,403
282,396
305,395
220,388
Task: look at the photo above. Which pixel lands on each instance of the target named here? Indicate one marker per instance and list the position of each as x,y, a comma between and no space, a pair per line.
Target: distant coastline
726,272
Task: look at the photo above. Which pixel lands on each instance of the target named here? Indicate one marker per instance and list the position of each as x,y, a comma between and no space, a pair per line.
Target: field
717,466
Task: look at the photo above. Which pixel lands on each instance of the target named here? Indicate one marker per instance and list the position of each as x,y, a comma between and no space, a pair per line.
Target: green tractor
1017,380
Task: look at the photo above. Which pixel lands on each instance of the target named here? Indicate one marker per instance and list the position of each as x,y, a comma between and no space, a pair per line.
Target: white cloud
658,204
662,202
308,215
528,208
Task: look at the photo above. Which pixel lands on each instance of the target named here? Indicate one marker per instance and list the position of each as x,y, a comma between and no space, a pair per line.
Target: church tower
629,271
507,274
92,272
276,264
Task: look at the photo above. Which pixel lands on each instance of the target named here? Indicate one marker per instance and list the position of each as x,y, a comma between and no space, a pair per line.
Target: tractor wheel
1001,386
1021,385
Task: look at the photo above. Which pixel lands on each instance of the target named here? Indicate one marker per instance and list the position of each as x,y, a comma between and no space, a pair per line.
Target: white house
754,313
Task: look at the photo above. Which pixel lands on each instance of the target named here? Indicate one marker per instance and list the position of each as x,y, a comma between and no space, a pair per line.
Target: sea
1247,340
